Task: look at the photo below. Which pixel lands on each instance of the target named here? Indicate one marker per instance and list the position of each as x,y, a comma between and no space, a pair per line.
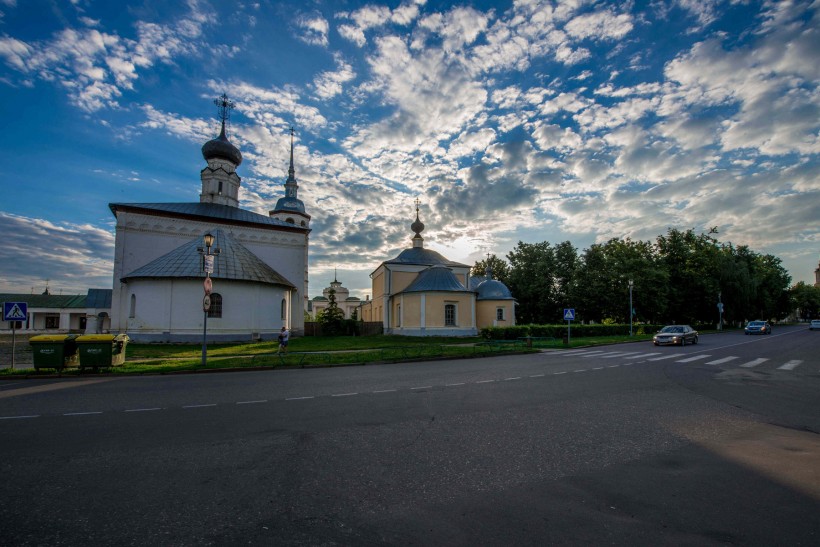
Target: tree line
681,277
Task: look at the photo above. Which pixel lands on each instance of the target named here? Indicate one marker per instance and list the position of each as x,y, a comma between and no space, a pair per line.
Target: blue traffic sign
569,314
15,311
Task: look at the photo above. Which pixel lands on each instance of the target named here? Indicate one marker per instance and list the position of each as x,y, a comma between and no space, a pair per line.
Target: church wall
411,309
401,280
434,309
170,310
486,313
378,284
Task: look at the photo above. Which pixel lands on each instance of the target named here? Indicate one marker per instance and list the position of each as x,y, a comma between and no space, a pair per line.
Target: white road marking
537,375
142,409
450,385
557,373
299,398
613,366
81,413
251,402
199,406
385,391
695,358
580,370
19,417
791,365
516,378
343,394
422,387
484,381
623,355
721,361
642,355
598,368
670,356
754,363
607,355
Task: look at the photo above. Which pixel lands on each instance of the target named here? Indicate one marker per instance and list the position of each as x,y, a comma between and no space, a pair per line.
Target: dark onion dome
222,148
417,226
289,204
492,289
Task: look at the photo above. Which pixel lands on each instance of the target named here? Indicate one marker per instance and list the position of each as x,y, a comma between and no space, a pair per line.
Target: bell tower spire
290,208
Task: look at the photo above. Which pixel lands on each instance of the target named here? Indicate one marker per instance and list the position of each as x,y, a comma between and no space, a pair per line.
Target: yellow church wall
410,311
401,280
486,313
434,309
378,284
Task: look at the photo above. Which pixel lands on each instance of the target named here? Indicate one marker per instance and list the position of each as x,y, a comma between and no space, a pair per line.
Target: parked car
815,324
675,335
758,327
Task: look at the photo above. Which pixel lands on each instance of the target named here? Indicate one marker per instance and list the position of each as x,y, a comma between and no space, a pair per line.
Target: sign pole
13,333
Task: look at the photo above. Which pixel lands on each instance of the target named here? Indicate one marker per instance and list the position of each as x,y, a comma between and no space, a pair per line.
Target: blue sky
510,121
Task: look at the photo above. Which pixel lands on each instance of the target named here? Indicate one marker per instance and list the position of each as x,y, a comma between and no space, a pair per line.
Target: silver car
674,335
815,324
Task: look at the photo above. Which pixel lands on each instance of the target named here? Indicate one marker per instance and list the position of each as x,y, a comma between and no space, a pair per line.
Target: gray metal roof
492,289
234,262
436,278
98,298
423,257
206,210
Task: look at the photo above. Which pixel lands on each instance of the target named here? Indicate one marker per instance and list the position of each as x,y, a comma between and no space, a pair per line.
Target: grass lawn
320,351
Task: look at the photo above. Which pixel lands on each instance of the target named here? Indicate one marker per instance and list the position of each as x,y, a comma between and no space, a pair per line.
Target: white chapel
260,271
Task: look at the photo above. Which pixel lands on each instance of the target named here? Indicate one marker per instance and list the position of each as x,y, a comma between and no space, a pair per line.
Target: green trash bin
53,350
101,350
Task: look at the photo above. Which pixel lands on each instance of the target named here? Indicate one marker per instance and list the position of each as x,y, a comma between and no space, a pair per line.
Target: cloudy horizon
510,121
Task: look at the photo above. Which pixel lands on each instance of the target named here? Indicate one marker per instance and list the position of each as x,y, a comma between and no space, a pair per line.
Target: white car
815,324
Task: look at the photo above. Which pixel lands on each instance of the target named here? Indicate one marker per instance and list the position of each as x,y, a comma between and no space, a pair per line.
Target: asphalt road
711,444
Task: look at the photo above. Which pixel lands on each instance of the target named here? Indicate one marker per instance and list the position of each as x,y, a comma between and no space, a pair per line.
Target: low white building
56,313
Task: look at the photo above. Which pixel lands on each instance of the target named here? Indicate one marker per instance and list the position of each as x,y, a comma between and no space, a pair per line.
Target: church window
132,312
220,187
290,220
398,315
450,315
216,305
499,314
284,311
303,223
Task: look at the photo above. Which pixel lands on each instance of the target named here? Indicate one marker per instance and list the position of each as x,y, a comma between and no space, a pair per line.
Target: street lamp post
208,265
631,283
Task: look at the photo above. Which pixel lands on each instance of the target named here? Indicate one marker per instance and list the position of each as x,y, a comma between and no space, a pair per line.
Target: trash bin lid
95,338
51,338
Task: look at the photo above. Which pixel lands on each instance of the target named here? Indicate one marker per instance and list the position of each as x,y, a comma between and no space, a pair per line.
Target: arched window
284,311
216,305
290,220
132,312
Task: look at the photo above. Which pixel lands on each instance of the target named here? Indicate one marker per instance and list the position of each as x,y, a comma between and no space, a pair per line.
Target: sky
510,121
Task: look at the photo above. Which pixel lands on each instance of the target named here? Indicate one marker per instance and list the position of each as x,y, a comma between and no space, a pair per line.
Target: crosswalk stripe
624,355
754,363
609,354
791,365
671,356
695,358
721,361
641,355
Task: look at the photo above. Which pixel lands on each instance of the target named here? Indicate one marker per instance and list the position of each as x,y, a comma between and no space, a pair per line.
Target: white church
260,269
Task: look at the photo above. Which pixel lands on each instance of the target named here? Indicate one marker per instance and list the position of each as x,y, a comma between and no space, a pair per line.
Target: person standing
284,335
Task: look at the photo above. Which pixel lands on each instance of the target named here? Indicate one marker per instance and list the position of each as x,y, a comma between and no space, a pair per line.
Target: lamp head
208,239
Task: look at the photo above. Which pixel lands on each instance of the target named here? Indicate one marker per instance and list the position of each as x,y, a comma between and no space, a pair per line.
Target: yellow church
422,293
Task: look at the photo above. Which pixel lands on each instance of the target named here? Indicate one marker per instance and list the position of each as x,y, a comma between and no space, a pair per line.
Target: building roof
436,278
423,257
234,262
492,289
210,211
96,298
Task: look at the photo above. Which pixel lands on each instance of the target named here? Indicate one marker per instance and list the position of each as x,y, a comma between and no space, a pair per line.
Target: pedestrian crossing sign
569,314
15,311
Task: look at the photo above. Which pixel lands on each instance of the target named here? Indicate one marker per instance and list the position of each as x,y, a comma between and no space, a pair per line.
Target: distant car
673,335
758,327
815,324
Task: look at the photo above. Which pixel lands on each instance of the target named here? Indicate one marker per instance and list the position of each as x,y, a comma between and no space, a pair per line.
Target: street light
631,283
208,265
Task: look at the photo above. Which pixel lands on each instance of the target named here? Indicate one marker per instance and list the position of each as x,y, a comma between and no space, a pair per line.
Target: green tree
499,268
805,301
531,281
331,317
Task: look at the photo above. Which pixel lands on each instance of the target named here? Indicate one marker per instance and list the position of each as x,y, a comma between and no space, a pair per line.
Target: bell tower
220,183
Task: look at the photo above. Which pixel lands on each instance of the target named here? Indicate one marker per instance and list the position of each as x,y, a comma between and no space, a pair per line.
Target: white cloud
314,29
329,84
